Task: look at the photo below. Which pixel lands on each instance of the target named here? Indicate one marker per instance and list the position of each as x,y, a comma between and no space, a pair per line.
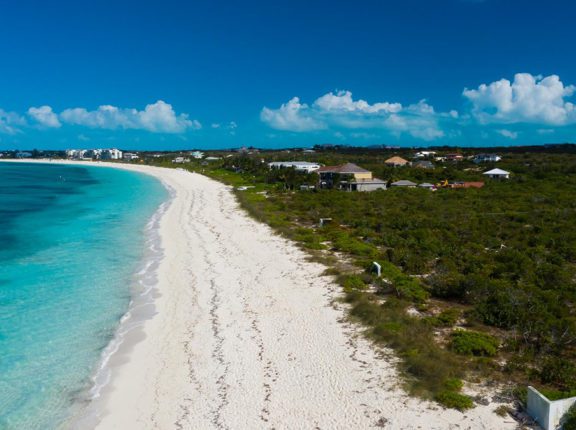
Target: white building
94,154
129,156
497,174
110,154
301,166
486,158
425,154
180,160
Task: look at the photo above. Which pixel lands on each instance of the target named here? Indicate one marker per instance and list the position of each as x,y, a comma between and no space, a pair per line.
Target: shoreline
143,294
248,334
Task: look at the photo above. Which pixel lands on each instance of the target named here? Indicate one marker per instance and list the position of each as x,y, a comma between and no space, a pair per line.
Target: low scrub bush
503,411
405,286
560,372
569,421
447,318
453,384
351,283
474,343
369,312
451,399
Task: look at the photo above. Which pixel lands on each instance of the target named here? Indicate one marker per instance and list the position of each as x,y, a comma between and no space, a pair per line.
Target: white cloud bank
528,99
158,117
508,133
340,110
10,122
44,116
292,116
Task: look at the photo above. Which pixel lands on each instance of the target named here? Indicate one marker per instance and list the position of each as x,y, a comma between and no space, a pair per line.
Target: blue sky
219,74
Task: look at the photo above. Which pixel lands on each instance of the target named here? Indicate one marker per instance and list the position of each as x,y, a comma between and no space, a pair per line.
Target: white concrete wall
539,408
548,414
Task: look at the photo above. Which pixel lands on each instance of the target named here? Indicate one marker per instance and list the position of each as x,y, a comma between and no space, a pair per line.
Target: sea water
71,239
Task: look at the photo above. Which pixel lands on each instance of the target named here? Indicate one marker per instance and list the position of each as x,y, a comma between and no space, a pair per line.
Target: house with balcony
349,177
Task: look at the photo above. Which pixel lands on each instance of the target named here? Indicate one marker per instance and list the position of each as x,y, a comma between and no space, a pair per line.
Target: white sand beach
246,334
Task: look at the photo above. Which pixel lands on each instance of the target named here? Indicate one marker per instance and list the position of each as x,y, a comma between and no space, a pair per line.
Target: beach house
423,164
129,156
300,166
425,154
454,157
349,177
497,174
396,162
486,158
180,160
403,183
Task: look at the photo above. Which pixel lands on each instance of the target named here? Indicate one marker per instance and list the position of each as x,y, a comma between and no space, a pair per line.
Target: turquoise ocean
74,244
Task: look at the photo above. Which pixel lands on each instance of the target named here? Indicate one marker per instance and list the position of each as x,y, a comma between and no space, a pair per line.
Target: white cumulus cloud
528,99
10,122
44,116
508,133
340,111
342,101
292,116
158,117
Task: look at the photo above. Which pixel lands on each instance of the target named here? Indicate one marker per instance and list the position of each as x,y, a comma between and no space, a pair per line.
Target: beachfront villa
497,174
300,166
349,177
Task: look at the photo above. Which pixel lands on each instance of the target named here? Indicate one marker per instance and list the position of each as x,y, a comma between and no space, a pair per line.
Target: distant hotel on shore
99,154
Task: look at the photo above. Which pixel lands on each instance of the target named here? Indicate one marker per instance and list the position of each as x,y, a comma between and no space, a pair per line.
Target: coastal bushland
476,284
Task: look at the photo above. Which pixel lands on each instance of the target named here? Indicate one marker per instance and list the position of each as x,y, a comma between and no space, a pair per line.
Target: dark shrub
451,399
474,343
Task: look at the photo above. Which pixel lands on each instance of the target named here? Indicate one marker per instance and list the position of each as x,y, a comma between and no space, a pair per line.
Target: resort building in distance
94,154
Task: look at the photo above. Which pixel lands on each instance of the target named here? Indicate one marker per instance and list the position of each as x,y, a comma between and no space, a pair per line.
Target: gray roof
403,183
426,185
293,163
344,168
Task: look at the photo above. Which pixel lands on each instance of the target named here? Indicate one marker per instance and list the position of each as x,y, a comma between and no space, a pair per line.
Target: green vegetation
569,422
450,399
498,262
473,343
446,318
503,411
